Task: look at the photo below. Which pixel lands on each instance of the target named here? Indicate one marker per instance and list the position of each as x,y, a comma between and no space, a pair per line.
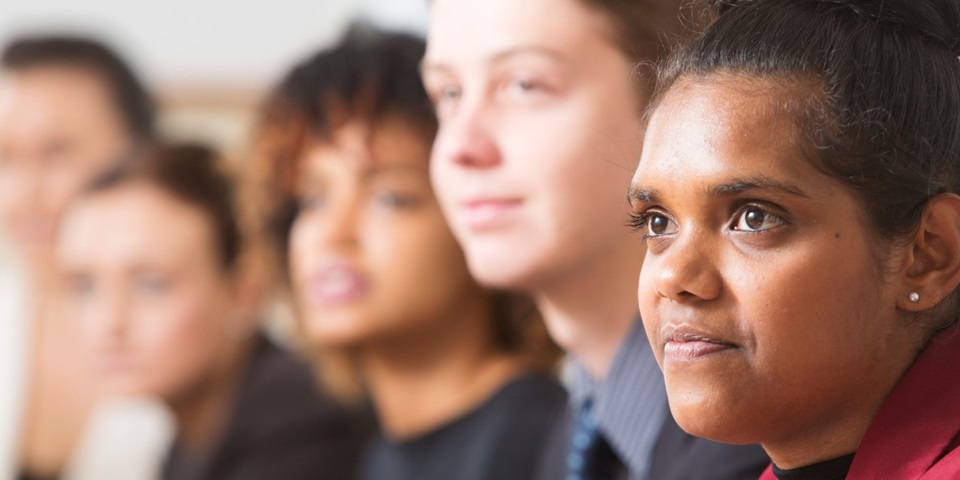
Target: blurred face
538,137
148,290
58,128
762,292
370,253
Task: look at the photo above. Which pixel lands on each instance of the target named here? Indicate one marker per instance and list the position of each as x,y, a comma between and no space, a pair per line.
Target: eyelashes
638,221
748,217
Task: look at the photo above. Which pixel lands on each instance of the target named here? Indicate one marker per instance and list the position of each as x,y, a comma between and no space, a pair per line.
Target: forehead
465,30
364,147
717,130
53,96
133,223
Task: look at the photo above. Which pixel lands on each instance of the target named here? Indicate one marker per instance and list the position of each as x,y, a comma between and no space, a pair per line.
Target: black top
27,476
281,426
835,469
500,440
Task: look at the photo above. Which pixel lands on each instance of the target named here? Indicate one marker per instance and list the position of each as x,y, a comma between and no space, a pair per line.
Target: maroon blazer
916,433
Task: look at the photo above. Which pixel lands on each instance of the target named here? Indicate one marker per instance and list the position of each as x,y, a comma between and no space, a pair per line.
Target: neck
201,413
427,379
825,444
590,310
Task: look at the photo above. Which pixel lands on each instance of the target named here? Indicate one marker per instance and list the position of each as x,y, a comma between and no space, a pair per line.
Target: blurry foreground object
156,275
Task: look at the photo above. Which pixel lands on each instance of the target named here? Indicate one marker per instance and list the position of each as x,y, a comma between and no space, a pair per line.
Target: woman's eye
81,285
523,85
395,200
446,94
152,284
659,224
311,202
755,219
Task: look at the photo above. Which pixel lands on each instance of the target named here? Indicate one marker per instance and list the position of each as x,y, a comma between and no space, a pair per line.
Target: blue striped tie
590,456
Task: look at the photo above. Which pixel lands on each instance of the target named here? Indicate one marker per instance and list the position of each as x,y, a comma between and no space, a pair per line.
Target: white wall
234,43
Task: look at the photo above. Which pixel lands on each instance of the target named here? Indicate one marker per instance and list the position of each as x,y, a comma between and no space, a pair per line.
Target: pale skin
378,276
58,128
157,313
776,314
539,133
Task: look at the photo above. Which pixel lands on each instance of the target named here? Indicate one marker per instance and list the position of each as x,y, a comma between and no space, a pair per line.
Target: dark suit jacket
916,433
281,427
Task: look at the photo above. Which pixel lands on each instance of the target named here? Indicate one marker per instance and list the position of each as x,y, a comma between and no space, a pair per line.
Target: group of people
557,240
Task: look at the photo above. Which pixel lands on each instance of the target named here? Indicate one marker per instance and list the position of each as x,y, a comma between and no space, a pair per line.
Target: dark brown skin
776,314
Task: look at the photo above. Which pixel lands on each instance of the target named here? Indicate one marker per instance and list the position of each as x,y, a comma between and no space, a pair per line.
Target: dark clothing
280,427
500,440
916,433
677,455
835,469
681,456
27,476
631,407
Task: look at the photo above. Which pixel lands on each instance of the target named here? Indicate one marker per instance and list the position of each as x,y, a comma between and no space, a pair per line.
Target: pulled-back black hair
131,99
885,114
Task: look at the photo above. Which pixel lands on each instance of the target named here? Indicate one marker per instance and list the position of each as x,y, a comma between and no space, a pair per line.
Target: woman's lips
688,345
335,285
485,213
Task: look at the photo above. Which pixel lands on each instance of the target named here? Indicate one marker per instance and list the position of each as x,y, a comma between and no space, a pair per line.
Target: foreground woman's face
762,292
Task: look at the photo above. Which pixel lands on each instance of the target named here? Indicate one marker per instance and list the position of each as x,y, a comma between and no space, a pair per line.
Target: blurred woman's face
147,288
763,291
539,135
371,256
58,128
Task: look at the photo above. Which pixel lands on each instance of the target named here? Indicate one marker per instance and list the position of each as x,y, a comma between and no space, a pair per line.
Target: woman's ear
933,264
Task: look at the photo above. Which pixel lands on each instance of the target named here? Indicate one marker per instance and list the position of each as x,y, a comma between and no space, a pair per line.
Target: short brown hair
192,173
646,30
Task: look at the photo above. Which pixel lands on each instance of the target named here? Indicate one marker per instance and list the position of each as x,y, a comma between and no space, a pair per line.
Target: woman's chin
711,420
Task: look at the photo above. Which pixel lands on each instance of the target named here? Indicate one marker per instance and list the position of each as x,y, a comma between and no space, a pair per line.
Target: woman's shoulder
280,390
283,419
502,438
533,391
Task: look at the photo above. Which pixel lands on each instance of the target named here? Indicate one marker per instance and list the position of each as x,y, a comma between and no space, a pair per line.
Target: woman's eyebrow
760,182
641,194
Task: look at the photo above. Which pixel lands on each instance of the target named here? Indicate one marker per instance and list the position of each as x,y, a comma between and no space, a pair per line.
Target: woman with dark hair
540,106
798,198
69,106
158,283
459,375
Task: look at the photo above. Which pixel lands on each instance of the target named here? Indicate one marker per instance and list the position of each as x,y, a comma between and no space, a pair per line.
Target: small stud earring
914,297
